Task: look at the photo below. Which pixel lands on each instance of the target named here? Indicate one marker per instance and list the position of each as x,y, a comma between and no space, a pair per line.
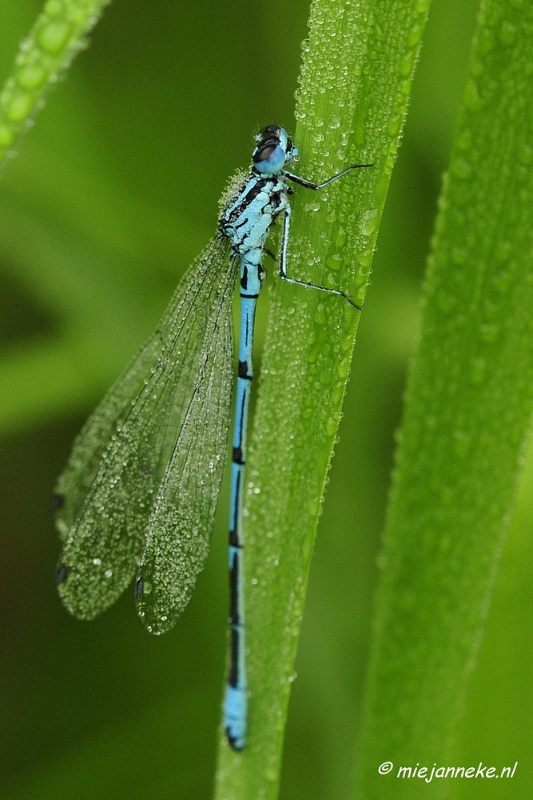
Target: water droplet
19,107
464,139
340,239
6,136
31,77
461,168
364,257
472,99
320,316
343,367
415,34
335,262
394,124
53,8
368,222
54,36
406,64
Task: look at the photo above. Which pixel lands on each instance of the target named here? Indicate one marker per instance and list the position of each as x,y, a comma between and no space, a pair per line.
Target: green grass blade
468,411
353,96
57,35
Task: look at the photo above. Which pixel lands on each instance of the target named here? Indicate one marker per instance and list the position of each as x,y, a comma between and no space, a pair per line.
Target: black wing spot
57,501
61,574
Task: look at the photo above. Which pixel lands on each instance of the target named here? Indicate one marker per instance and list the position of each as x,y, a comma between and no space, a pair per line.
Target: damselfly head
273,150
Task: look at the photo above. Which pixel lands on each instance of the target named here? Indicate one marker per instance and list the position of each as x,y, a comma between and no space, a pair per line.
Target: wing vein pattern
139,491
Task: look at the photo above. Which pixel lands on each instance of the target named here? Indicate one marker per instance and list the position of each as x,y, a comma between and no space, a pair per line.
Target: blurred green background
109,198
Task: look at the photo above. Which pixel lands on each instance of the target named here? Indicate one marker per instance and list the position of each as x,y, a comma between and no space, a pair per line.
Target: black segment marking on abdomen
244,371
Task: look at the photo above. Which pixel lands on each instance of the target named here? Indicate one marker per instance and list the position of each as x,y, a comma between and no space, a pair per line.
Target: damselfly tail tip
236,743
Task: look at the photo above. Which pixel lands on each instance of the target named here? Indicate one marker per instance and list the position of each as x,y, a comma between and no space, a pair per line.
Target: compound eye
264,152
269,158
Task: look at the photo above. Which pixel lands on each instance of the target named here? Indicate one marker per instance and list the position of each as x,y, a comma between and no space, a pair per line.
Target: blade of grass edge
356,78
58,34
469,404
